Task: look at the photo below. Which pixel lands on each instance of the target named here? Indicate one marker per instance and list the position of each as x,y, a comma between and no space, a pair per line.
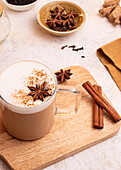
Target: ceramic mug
29,123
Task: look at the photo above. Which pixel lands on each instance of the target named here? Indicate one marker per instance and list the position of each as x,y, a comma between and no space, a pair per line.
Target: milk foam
15,78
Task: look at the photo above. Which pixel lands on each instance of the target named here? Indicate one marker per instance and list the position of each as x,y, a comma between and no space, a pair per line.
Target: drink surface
16,78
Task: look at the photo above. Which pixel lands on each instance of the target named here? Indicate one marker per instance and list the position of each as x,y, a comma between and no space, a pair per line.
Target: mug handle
70,89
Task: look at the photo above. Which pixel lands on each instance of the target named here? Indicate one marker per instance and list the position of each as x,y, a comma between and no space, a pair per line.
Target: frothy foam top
15,79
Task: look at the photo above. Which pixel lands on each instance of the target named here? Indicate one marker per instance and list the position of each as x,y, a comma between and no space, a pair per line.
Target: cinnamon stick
101,101
98,112
101,110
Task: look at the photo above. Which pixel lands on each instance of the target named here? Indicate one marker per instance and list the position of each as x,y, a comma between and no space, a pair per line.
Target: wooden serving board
69,135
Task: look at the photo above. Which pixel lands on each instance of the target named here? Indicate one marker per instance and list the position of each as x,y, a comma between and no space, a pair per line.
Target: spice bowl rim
19,7
60,33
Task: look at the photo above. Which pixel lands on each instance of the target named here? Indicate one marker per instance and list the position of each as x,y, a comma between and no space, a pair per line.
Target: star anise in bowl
39,92
57,13
60,20
62,75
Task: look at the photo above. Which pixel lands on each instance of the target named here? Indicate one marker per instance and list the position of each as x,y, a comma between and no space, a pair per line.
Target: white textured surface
28,41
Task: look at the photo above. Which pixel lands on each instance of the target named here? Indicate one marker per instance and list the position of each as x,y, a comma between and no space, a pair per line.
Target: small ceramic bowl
44,14
19,7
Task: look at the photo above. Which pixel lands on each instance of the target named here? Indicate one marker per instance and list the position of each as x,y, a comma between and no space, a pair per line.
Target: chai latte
22,116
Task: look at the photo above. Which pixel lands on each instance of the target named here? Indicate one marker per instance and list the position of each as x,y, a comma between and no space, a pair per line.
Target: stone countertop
28,41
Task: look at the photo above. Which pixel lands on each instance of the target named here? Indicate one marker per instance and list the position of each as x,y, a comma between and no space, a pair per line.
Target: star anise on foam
57,13
62,75
39,92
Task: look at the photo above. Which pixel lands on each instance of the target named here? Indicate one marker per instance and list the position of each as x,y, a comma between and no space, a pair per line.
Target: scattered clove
77,49
72,46
64,47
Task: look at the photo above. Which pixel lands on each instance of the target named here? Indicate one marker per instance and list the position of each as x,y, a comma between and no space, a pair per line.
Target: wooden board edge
77,151
74,67
6,162
69,154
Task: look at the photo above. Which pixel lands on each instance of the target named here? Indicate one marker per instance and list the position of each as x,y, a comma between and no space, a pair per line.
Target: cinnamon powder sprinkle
20,96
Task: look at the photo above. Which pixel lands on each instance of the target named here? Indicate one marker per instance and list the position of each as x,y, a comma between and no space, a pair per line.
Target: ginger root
112,11
105,12
115,16
111,3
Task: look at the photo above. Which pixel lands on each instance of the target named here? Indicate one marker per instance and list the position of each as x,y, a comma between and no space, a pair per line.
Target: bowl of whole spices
61,17
20,5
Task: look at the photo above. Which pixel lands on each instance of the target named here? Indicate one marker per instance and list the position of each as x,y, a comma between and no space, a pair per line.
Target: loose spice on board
98,122
62,75
101,101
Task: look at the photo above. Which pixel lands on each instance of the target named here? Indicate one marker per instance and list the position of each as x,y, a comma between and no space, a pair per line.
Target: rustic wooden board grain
69,135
